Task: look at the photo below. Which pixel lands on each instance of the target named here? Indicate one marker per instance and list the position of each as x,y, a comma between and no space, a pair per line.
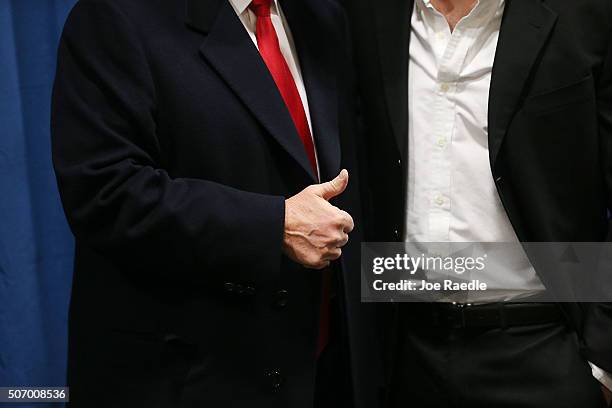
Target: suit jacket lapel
392,19
319,72
231,52
524,31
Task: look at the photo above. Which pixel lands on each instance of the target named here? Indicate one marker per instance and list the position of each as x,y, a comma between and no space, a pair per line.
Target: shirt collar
498,4
242,5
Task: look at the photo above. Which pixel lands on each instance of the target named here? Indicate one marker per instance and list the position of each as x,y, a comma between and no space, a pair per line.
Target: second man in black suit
491,121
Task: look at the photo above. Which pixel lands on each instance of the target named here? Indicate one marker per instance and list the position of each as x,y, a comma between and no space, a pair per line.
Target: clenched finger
333,254
344,239
347,221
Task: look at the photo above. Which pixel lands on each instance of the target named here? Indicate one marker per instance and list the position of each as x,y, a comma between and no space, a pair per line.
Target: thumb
334,187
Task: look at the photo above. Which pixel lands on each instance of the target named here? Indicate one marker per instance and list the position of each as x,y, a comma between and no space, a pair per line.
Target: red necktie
270,51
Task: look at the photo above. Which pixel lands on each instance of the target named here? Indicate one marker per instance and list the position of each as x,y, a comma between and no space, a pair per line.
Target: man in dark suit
197,145
491,121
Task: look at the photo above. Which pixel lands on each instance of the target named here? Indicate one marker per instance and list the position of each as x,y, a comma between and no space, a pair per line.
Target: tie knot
261,8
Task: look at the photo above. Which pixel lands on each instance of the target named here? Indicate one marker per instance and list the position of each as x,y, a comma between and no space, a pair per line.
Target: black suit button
249,290
239,289
396,234
229,287
274,378
281,299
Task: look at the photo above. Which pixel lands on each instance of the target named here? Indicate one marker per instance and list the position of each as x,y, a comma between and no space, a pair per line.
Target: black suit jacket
174,154
550,127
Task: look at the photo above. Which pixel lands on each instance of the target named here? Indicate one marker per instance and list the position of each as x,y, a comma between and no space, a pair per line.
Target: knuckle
350,223
336,236
348,218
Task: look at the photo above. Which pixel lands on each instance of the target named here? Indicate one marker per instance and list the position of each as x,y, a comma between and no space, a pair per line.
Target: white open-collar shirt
452,196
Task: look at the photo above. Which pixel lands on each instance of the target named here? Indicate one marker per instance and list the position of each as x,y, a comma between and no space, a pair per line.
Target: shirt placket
450,60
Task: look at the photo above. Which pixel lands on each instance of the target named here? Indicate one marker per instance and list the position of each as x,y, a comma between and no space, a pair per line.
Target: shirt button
440,35
444,87
439,200
442,142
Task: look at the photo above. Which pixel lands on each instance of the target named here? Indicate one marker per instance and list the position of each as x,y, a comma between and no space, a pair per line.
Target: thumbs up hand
315,230
332,188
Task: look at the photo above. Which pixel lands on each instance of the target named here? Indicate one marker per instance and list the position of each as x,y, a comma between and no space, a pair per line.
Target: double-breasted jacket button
281,299
274,379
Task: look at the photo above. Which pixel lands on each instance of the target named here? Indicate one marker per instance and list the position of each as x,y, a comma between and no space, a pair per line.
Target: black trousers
516,367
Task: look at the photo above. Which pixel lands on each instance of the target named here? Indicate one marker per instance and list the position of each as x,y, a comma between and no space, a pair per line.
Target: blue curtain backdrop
36,246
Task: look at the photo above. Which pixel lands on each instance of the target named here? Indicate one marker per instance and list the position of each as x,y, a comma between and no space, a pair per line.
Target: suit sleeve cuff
602,376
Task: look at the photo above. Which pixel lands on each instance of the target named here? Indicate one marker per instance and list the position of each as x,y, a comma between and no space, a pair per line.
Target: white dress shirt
452,196
285,39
